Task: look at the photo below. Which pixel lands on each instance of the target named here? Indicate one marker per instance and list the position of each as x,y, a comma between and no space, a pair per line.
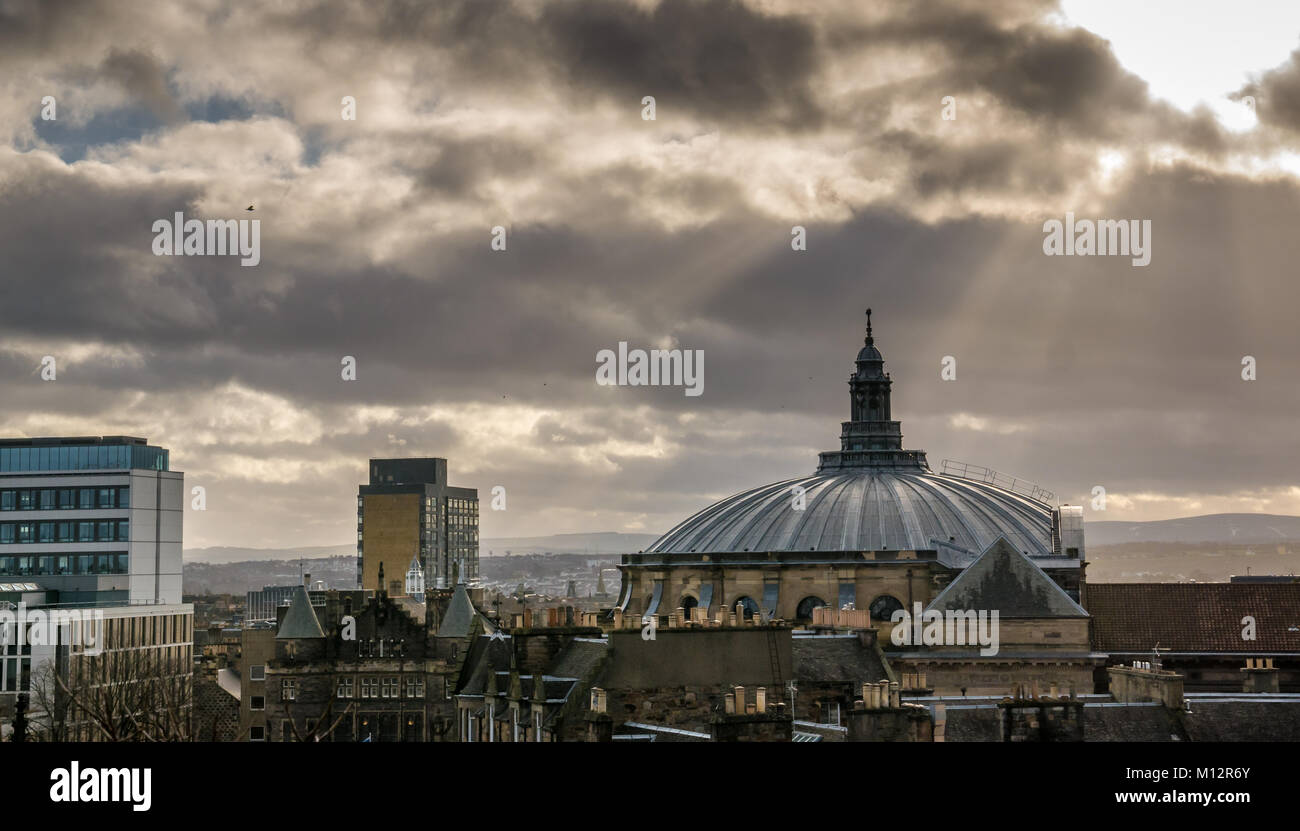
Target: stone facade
391,678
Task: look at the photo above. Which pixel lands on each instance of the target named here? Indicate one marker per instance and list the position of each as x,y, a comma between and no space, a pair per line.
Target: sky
376,244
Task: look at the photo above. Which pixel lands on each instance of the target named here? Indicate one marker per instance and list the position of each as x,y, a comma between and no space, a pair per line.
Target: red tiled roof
1193,617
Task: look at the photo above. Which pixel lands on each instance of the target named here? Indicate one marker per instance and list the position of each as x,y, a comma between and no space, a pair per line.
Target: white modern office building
90,524
97,520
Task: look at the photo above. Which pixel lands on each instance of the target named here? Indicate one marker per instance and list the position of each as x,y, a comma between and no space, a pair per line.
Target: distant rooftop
80,453
1194,617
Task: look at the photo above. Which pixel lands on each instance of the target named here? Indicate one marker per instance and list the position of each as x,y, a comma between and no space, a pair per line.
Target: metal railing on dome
978,473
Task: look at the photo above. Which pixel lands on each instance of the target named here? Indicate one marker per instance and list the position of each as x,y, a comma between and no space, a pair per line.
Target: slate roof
579,658
972,724
460,614
1151,723
1194,617
835,659
1004,579
300,621
1239,720
1243,721
486,655
556,689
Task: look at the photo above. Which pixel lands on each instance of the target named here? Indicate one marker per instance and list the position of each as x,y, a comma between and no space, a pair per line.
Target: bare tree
140,694
323,726
49,711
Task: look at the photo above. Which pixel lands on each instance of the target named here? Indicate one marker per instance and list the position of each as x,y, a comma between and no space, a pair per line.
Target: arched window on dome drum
804,610
749,604
883,607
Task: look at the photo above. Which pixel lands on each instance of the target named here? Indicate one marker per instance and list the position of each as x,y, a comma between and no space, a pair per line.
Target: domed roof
870,495
869,352
867,511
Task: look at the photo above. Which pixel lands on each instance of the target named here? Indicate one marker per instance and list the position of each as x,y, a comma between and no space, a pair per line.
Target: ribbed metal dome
866,511
870,495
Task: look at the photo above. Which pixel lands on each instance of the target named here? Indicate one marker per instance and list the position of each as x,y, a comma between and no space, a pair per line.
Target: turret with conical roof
460,614
300,621
871,440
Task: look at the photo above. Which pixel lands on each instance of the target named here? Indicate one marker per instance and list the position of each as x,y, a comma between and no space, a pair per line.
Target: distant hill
234,554
601,542
1179,562
1212,528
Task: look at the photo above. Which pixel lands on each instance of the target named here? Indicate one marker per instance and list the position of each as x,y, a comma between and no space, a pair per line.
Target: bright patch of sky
1194,51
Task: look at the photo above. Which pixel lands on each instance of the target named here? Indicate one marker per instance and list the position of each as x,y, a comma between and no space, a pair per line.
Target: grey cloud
144,79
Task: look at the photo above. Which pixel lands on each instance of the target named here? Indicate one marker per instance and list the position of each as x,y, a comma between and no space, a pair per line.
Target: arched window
750,607
687,603
804,610
883,607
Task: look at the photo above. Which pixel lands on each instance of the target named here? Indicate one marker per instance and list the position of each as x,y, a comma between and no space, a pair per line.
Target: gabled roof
1194,617
1005,580
459,616
300,621
579,658
487,655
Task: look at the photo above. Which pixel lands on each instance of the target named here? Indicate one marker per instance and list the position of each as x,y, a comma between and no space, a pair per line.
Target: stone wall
1128,684
998,676
900,574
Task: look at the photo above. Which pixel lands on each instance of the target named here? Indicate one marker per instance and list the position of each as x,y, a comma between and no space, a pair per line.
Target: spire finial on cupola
869,340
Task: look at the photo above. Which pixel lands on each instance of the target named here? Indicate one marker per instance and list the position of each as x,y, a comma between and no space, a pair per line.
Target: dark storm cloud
717,58
1067,78
1277,95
